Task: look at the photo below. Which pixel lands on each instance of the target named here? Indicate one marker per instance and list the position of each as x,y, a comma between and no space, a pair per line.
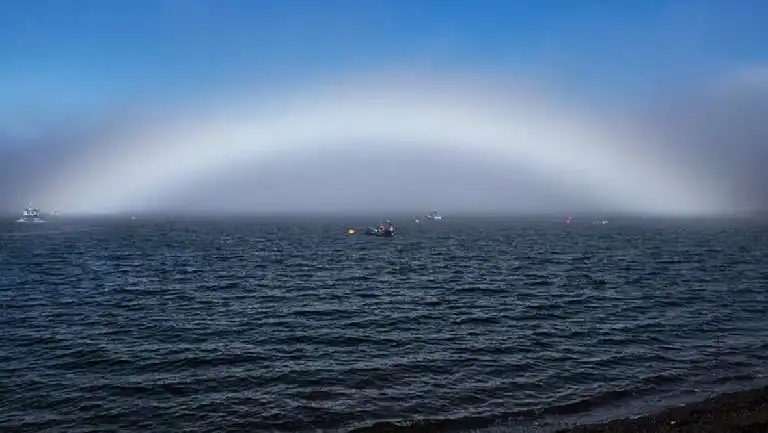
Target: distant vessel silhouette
434,215
31,215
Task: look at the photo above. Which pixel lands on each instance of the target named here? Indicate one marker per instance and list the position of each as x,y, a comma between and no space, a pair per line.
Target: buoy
350,231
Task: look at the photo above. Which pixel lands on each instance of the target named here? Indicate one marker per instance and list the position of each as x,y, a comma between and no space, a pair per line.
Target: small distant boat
434,215
31,215
371,231
416,220
385,230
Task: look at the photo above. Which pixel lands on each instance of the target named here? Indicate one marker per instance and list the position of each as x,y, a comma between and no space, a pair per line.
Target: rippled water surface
268,325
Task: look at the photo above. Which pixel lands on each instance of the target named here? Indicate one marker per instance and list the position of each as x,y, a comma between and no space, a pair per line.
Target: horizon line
394,214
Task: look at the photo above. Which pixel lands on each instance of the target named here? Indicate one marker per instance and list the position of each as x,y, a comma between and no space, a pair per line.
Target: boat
387,229
31,215
384,230
434,215
371,231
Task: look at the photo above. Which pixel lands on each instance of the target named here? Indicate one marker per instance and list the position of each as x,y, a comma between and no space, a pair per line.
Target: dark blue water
267,325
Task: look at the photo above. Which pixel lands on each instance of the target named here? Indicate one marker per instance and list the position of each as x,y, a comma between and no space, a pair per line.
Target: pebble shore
742,412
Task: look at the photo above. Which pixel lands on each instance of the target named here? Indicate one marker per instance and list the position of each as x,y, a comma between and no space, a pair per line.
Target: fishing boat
385,230
31,215
434,215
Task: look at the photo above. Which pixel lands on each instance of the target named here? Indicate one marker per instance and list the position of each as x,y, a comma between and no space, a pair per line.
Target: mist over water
380,144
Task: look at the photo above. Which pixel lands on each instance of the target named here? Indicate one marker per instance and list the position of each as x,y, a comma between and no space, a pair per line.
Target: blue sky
75,59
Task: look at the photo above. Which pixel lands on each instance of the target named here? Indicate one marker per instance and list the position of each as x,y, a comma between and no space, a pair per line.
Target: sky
80,77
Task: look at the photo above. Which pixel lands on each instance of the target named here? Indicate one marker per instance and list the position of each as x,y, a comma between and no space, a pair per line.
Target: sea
267,324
